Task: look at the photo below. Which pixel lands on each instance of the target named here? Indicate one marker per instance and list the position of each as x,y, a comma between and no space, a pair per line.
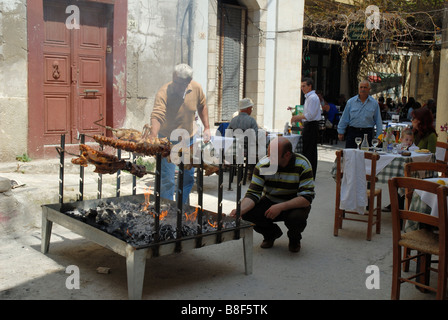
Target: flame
147,197
192,216
128,233
163,214
213,225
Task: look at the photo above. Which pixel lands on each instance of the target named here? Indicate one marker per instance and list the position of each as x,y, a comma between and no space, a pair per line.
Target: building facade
70,67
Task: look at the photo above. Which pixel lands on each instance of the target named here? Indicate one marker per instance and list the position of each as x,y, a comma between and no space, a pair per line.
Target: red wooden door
73,91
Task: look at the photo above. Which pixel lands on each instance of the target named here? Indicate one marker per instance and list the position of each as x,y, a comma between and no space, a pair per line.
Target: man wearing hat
245,122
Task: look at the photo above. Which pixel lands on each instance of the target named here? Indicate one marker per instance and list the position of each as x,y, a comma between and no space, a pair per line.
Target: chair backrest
444,146
411,184
371,178
411,168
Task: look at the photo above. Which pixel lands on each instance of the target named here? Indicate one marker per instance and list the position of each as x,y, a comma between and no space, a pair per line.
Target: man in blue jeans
175,108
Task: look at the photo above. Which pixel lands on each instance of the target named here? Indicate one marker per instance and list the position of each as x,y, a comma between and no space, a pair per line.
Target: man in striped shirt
282,196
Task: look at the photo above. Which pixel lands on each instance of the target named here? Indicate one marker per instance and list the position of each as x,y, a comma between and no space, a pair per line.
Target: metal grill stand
136,255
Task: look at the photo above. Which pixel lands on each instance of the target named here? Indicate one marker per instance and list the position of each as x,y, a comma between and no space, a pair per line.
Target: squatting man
285,195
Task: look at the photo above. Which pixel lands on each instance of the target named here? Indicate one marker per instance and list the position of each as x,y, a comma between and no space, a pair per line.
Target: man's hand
206,135
233,213
341,137
274,211
297,118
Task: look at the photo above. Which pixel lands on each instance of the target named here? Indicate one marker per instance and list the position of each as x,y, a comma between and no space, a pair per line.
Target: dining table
424,202
392,165
429,199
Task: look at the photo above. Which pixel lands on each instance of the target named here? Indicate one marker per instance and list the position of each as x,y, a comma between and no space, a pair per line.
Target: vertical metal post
61,169
157,203
238,201
81,173
220,197
118,174
200,183
180,187
100,180
134,178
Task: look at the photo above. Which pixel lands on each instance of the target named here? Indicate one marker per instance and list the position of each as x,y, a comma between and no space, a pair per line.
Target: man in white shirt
310,119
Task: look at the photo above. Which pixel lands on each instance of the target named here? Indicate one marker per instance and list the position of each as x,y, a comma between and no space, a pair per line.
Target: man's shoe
386,209
268,243
294,246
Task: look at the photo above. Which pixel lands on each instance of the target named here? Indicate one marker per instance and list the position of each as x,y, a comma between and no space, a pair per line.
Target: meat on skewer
106,163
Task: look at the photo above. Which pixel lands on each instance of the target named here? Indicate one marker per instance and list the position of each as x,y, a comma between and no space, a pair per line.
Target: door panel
57,114
74,82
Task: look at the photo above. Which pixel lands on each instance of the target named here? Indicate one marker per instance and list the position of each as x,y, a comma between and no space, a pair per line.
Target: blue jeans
168,183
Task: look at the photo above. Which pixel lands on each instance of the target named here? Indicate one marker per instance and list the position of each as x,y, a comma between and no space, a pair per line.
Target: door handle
92,91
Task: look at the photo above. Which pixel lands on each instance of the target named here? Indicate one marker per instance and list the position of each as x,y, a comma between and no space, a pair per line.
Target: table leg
135,266
248,247
46,233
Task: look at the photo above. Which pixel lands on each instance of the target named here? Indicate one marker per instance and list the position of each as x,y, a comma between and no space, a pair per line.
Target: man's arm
276,209
203,115
246,205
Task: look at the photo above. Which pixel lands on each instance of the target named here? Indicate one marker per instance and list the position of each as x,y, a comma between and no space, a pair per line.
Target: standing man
175,106
360,116
283,196
310,119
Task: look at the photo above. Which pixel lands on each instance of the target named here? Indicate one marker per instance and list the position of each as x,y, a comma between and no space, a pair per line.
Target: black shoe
386,209
294,246
269,243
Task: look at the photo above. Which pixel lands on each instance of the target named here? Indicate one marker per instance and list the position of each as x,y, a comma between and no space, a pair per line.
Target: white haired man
175,107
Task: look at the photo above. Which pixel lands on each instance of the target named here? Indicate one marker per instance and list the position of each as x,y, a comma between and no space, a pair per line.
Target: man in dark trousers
310,119
285,195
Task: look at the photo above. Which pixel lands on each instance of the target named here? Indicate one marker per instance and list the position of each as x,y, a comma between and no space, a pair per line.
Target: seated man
283,196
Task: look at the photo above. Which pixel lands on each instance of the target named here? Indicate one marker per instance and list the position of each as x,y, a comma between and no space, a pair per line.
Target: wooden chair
410,170
424,241
444,146
374,212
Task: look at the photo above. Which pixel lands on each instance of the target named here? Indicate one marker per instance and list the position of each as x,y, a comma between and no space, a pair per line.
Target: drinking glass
375,142
358,141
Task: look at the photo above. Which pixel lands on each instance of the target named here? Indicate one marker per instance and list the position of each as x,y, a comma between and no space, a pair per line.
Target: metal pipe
200,183
81,172
238,201
118,174
180,185
157,187
134,178
100,180
220,193
61,169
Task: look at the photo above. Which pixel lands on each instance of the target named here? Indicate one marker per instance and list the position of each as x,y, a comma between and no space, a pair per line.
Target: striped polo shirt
296,179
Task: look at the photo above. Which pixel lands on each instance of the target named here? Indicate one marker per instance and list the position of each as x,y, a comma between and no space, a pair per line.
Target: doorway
68,73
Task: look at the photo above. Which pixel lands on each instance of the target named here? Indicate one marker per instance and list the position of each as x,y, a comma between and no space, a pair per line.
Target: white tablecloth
386,158
430,199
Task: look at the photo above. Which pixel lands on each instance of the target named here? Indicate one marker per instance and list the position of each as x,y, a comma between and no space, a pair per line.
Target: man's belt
359,129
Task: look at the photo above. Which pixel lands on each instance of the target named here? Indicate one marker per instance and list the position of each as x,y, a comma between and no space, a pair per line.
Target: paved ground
326,268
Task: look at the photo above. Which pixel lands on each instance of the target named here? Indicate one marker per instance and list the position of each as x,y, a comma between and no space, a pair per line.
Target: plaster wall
13,79
160,35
